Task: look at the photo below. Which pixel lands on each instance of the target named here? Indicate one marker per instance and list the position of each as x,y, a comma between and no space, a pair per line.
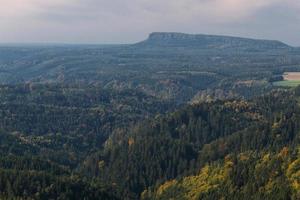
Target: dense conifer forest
173,117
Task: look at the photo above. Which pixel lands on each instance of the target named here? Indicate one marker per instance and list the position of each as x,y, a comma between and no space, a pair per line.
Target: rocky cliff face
161,39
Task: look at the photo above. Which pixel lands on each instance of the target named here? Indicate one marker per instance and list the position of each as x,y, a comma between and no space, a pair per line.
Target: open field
290,79
291,76
291,83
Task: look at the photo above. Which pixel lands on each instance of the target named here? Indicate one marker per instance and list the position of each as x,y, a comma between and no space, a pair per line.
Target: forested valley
176,116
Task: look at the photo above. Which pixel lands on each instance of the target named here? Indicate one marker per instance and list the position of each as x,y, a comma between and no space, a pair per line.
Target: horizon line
45,43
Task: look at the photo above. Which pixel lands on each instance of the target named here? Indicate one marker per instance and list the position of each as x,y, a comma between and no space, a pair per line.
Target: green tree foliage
181,143
84,142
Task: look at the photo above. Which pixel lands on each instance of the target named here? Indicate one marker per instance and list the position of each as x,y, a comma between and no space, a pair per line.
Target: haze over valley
206,108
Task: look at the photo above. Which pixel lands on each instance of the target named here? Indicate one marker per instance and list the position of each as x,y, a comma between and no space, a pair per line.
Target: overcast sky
126,21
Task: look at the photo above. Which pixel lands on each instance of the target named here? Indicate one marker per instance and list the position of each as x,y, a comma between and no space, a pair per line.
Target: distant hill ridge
173,39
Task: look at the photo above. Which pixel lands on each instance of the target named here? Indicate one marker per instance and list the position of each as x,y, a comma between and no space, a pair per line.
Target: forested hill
82,148
195,141
47,131
158,67
176,116
201,41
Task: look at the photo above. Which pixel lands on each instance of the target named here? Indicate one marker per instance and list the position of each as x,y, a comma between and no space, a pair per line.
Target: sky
128,21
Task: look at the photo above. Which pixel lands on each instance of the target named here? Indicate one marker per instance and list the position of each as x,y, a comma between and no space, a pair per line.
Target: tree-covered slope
181,143
248,175
199,150
176,116
47,130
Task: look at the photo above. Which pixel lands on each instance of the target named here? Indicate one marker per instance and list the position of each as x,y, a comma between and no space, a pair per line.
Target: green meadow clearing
287,83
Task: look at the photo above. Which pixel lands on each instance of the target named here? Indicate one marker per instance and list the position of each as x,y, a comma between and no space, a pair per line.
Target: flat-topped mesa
170,39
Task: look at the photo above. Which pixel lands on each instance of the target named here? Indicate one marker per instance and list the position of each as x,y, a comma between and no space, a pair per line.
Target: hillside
248,175
46,132
182,143
113,147
202,41
170,66
176,116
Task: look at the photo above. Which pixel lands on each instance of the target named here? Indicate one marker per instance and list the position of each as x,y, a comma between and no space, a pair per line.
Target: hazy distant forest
176,116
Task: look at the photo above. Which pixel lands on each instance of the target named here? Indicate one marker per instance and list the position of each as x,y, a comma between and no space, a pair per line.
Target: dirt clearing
291,76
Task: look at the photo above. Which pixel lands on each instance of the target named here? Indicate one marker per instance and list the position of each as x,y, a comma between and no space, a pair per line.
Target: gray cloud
115,21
